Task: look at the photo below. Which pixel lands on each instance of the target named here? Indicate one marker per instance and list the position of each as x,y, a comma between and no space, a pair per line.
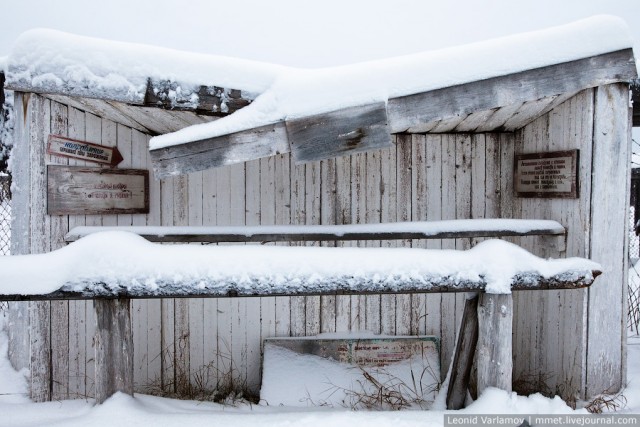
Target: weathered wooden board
91,191
338,133
547,174
215,152
66,147
410,111
494,351
464,354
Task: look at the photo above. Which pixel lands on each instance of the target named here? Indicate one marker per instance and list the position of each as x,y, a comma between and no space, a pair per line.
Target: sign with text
82,150
547,175
76,190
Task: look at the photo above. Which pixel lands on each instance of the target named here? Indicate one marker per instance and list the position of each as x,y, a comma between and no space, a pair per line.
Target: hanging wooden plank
80,190
221,151
339,133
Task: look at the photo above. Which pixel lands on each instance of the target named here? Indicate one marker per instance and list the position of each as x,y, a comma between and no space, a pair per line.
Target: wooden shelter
451,152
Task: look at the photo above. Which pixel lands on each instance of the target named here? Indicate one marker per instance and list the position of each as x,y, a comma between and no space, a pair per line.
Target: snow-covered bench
113,266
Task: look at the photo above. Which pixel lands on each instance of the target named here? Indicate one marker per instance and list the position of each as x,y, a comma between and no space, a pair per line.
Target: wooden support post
494,358
114,348
463,358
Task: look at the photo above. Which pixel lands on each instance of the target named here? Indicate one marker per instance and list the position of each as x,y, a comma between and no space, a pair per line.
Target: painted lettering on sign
553,174
67,147
79,190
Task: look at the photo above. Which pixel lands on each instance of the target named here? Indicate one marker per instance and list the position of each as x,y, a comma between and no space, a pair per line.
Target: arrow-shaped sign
82,150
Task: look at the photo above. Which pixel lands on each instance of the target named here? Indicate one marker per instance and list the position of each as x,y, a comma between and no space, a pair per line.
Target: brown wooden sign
547,175
73,190
75,149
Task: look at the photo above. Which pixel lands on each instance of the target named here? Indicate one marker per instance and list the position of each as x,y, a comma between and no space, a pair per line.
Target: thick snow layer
427,228
120,260
49,60
299,93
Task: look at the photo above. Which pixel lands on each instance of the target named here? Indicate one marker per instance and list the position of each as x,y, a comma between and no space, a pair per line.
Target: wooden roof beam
410,111
368,127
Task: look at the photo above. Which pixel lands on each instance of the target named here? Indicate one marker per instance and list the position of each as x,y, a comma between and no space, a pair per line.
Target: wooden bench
487,319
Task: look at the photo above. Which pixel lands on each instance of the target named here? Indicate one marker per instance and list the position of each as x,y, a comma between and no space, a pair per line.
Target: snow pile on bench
113,263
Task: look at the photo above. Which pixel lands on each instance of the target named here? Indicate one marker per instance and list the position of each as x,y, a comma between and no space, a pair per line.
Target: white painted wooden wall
217,342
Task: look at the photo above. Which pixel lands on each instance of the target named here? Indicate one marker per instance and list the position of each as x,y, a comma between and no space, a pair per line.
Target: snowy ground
17,411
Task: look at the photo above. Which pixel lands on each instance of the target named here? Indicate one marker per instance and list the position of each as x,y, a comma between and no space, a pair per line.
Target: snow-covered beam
122,265
447,229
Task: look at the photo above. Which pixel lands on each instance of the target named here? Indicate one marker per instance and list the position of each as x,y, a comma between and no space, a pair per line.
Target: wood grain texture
338,133
609,224
409,111
494,350
114,349
240,147
463,356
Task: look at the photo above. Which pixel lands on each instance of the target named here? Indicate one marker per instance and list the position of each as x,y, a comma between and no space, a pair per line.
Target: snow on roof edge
299,93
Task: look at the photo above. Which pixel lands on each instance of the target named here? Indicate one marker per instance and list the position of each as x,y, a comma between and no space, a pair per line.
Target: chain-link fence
5,214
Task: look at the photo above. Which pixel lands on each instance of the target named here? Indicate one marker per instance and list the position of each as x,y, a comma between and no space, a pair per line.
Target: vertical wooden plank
39,113
433,166
494,351
225,364
463,201
114,348
328,217
312,209
388,213
606,317
343,216
123,135
403,214
80,312
18,316
210,305
237,190
372,216
252,306
283,182
448,211
182,337
267,217
196,327
298,216
59,309
167,337
358,216
418,213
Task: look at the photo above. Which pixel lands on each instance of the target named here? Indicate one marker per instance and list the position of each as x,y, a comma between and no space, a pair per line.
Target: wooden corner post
114,348
494,352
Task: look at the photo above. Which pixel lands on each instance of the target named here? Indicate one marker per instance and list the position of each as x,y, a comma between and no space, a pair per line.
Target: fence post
114,348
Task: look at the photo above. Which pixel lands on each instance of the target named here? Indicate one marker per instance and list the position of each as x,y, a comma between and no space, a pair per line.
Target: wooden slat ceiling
157,121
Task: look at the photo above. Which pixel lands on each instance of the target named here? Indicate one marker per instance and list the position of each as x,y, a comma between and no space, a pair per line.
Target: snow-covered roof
277,109
123,264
